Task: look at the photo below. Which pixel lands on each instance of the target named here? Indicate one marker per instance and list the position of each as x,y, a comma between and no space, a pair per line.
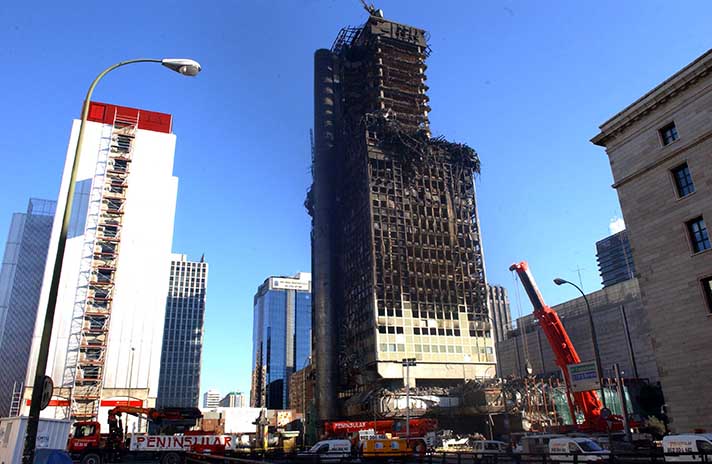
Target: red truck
396,427
88,445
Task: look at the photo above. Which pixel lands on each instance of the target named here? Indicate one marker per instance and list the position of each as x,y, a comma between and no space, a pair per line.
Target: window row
438,349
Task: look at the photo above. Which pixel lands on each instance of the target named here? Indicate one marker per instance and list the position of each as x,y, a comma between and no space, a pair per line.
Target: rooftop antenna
372,10
578,271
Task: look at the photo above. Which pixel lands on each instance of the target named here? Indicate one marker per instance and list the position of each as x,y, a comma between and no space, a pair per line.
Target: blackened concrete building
500,313
659,150
21,276
181,355
615,261
396,251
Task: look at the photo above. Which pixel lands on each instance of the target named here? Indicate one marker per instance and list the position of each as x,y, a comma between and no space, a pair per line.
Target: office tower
281,338
179,379
106,341
396,251
659,152
211,399
233,400
615,261
498,301
21,274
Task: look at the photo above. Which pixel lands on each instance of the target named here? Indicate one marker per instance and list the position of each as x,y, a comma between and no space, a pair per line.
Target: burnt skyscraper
396,254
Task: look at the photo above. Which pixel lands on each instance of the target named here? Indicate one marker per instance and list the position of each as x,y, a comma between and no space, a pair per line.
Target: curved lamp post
594,339
183,66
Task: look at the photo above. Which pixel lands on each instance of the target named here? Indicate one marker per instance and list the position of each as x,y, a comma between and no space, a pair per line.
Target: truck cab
85,435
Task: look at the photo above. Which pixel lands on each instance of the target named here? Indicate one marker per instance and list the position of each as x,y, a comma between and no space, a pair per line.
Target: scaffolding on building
16,399
88,338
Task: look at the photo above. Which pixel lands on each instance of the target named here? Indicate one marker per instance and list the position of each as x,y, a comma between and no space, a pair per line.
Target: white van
488,447
585,450
328,451
534,444
689,443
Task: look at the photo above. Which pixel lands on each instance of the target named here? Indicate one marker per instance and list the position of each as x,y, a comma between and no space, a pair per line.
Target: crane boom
560,343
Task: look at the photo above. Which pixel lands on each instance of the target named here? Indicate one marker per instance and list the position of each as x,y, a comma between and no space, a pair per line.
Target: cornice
661,94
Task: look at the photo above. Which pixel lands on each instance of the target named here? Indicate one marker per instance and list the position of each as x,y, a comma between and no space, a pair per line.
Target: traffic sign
47,389
584,376
605,413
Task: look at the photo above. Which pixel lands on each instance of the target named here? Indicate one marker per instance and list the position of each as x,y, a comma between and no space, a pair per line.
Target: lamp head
559,281
184,66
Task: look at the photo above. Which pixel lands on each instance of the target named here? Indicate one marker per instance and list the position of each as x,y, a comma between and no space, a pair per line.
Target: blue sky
525,83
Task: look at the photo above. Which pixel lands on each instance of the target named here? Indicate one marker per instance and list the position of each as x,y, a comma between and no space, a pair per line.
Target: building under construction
104,349
396,253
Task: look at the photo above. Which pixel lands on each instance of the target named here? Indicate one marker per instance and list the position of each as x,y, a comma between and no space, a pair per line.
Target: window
683,180
698,234
707,289
84,431
323,449
704,447
668,134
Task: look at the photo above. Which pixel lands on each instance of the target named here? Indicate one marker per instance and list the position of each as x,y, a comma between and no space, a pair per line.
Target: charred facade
396,254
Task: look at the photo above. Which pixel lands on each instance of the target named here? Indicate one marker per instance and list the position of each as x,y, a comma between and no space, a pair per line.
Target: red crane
565,354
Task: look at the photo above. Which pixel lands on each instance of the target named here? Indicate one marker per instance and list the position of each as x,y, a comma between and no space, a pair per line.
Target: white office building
211,399
108,325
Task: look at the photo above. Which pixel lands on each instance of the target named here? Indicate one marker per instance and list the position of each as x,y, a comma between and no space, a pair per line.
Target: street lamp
183,66
559,281
407,363
128,402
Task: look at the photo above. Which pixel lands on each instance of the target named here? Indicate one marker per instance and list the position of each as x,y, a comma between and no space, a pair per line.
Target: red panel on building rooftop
147,120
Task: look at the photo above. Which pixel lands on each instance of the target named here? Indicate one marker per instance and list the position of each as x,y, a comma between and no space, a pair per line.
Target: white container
51,434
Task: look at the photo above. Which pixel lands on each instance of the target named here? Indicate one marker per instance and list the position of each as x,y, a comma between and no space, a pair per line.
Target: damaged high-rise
396,253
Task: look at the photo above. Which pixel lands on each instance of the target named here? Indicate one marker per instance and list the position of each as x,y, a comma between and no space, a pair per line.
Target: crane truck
88,445
565,353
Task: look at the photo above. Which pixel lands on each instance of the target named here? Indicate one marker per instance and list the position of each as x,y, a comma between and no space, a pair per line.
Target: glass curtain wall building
20,284
179,379
615,260
281,338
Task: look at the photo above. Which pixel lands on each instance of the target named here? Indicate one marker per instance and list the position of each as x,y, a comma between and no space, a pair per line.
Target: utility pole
407,363
621,398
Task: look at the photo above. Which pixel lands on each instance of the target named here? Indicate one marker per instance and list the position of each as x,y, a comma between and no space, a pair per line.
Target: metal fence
651,456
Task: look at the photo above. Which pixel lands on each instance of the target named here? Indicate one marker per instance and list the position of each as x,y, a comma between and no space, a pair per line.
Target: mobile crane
565,353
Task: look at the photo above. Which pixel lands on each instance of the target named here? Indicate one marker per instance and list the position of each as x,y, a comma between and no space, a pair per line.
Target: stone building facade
659,149
621,328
